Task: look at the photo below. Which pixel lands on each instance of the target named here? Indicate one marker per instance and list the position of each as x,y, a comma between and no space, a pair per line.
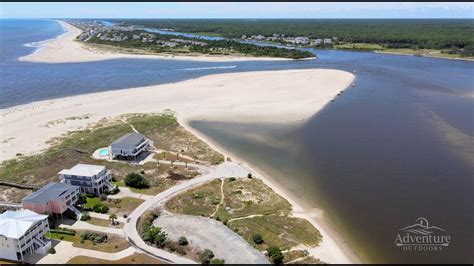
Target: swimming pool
104,152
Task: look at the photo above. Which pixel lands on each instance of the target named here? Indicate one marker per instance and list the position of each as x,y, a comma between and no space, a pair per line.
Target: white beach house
92,179
129,146
22,233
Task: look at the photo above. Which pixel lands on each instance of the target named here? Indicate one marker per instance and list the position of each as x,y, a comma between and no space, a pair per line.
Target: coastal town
118,32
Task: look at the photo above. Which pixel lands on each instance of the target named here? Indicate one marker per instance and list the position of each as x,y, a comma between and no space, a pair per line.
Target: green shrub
95,237
232,179
136,181
182,241
100,208
257,238
85,216
51,250
275,254
217,261
206,256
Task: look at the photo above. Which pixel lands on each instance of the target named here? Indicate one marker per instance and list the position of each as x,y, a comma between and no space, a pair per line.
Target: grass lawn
104,223
201,200
122,206
118,206
92,201
135,258
60,236
115,243
77,146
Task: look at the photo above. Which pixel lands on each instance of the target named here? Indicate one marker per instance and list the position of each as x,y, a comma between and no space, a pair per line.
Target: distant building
92,179
22,233
317,42
129,146
327,41
260,37
301,40
53,198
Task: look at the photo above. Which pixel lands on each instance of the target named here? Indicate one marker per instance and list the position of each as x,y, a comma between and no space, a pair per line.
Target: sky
238,10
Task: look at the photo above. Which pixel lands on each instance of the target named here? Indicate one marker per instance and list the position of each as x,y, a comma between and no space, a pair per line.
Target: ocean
396,147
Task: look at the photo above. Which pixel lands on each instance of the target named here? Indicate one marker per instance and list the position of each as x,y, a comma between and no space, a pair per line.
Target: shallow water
397,146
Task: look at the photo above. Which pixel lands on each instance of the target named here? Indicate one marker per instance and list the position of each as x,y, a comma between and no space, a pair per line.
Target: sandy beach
65,49
289,96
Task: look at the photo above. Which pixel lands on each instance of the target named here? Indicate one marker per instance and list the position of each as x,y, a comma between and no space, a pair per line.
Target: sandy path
65,49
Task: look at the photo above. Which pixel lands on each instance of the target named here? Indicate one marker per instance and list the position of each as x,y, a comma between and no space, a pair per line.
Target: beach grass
199,201
244,197
77,146
249,207
135,258
294,254
282,231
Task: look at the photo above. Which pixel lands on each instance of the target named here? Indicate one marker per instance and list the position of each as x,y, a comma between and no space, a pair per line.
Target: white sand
289,96
65,49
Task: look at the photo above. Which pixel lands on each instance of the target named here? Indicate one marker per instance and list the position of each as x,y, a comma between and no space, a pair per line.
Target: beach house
91,179
22,233
53,198
129,146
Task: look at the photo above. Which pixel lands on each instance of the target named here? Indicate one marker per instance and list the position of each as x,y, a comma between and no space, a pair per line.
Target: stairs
109,186
42,246
75,210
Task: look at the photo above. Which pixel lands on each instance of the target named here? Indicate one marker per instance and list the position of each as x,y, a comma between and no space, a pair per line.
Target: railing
17,185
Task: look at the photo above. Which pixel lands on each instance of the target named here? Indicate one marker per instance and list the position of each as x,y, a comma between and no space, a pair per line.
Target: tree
275,254
100,208
182,241
136,180
257,238
206,256
112,218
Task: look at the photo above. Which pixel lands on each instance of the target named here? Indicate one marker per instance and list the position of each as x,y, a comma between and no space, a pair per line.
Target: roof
83,170
51,191
128,141
14,224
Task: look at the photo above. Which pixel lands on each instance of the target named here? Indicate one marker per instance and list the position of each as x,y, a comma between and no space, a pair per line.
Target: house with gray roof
129,146
53,198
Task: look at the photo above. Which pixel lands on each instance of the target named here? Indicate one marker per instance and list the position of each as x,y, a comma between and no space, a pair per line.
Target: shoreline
259,96
330,237
65,49
426,56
